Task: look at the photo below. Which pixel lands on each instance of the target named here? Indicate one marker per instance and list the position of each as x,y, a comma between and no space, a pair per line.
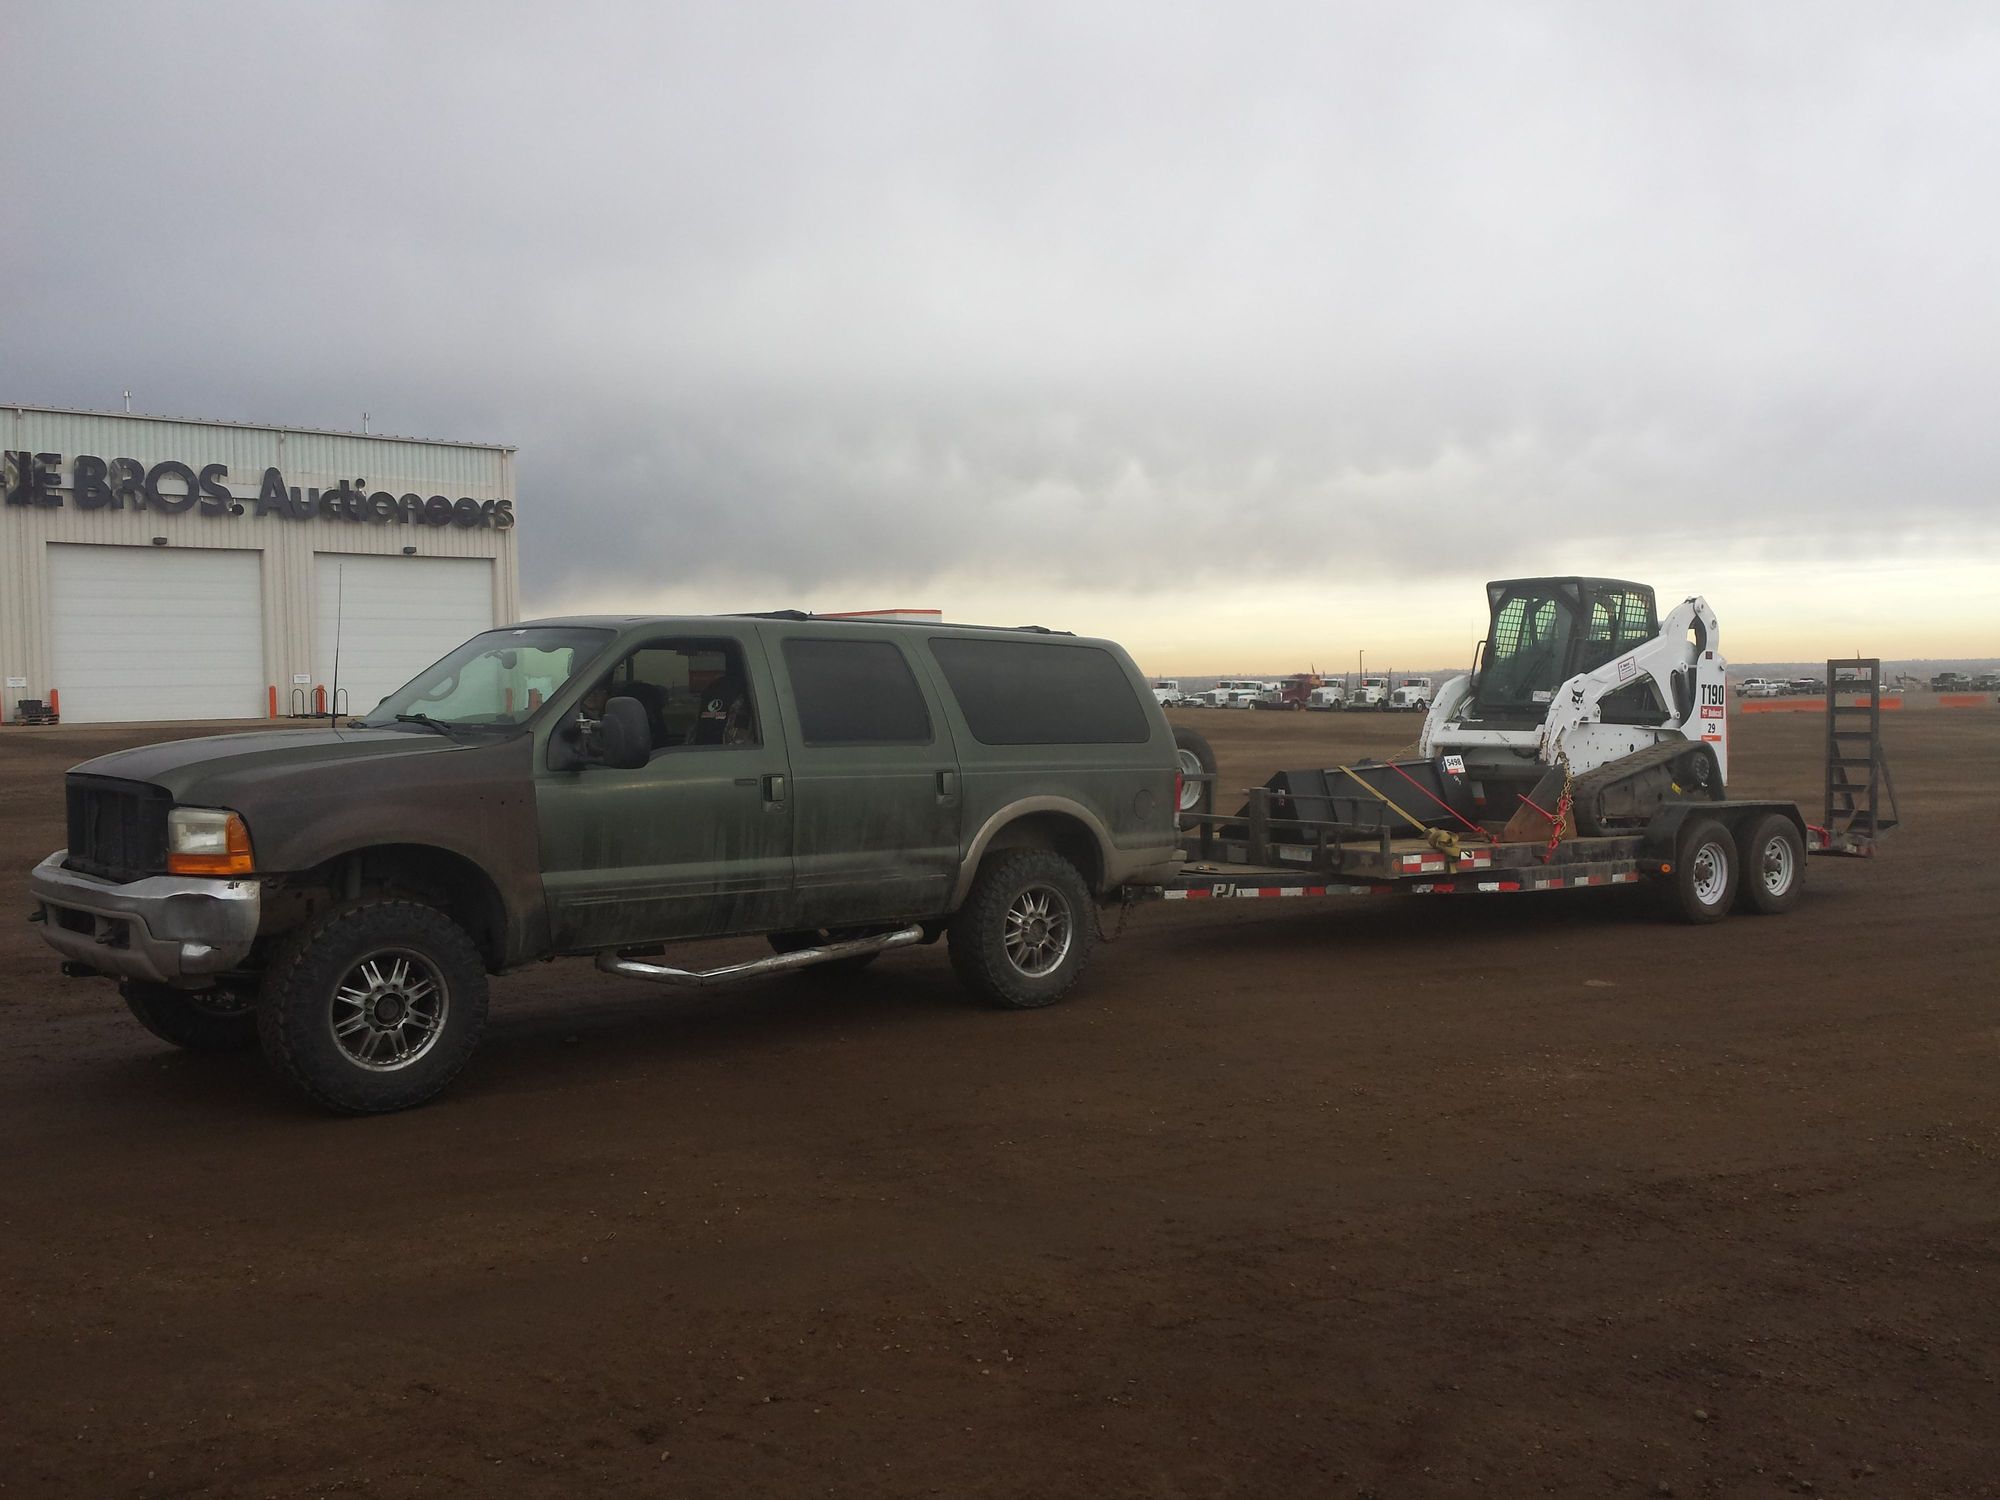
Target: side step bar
777,963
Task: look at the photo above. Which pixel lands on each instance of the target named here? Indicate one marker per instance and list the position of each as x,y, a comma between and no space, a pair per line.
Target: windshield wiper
427,721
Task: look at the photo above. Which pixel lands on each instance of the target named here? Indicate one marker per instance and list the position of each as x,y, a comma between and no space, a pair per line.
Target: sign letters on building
173,487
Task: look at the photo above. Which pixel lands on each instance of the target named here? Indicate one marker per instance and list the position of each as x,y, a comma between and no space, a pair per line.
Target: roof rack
800,614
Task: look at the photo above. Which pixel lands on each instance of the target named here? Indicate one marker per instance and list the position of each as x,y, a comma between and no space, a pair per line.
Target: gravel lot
1529,1194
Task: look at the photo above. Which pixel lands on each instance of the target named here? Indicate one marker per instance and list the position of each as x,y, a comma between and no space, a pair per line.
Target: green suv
604,787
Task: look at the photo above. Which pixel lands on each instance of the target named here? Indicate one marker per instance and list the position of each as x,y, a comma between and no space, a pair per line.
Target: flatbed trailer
1262,852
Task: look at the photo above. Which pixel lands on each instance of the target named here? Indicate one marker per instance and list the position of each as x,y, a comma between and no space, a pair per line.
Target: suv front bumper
174,929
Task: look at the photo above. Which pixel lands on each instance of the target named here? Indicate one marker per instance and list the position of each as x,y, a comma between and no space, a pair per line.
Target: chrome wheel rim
1777,865
1038,931
1190,787
389,1010
1710,873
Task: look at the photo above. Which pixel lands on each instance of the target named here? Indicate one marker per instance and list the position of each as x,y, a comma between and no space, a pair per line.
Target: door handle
947,785
774,789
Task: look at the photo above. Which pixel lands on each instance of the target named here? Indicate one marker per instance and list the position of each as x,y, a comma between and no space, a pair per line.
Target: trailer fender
1664,832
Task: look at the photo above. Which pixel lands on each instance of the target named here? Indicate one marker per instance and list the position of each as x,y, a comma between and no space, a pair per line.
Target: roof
144,416
1585,585
620,622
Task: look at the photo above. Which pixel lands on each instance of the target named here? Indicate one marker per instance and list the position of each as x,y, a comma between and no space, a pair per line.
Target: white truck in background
1412,695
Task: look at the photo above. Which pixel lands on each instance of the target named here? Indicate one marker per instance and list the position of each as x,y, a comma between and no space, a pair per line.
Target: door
147,633
698,841
378,621
874,775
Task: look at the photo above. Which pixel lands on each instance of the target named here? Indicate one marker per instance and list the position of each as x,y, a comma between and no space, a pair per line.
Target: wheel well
1058,833
436,877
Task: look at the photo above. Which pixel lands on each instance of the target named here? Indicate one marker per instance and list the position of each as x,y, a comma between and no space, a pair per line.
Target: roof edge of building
145,416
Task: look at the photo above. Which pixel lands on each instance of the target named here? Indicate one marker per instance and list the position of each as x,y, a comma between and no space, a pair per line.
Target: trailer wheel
1025,932
199,1020
374,1007
1705,870
1773,858
1196,760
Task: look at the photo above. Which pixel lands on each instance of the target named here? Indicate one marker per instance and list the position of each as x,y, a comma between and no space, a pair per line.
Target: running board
777,963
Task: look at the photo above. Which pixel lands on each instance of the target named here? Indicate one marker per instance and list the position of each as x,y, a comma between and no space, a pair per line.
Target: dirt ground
1505,1195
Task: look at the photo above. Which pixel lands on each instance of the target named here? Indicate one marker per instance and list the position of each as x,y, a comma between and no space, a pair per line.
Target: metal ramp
1860,794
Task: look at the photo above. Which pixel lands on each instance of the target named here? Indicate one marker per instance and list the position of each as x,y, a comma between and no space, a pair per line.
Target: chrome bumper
175,929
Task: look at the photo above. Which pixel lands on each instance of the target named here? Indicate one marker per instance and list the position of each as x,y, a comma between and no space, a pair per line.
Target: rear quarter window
1041,693
856,693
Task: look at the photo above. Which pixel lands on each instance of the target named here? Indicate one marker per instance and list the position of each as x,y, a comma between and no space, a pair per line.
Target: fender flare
1013,812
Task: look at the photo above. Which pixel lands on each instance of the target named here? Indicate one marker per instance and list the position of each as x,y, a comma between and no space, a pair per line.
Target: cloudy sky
1252,335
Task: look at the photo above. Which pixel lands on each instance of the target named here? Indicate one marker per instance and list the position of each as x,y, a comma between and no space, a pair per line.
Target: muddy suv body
602,785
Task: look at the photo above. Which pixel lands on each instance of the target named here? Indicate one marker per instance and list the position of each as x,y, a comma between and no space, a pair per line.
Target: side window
695,693
1041,693
856,693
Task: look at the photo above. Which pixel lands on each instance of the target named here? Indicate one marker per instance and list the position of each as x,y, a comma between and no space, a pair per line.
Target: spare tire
1196,760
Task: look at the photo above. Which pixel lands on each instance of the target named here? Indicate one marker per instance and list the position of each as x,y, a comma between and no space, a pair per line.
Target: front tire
199,1020
1025,932
1773,859
1705,873
374,1007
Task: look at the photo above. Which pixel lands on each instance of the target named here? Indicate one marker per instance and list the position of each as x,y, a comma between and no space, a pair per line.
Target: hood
200,771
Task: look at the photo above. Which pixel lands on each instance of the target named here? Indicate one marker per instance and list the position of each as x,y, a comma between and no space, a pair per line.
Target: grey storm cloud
799,294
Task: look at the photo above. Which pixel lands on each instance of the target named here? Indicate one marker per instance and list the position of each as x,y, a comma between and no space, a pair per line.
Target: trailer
1387,828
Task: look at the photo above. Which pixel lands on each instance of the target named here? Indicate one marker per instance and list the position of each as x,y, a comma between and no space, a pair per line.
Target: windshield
1528,649
500,677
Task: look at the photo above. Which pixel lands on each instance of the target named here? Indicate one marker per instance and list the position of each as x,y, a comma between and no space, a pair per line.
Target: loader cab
1543,631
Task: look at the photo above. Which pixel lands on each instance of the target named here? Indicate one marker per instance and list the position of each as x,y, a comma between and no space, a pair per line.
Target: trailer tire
371,969
1195,758
1772,861
1703,883
1025,932
199,1020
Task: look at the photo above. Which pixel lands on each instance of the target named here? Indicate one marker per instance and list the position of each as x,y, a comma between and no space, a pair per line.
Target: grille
117,829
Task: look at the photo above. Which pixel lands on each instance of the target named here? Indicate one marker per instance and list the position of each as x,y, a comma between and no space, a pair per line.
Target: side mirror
623,734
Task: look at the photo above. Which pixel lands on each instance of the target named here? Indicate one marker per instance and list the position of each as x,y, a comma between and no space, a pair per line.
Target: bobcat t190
1588,746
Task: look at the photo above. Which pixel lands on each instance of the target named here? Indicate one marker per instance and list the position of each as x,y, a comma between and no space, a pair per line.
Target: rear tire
1195,759
199,1020
1772,857
374,1007
1705,869
1025,932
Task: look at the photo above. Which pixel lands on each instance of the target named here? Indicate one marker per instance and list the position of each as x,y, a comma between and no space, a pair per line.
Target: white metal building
155,568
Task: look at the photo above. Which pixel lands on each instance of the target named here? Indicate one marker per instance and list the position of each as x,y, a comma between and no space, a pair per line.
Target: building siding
307,460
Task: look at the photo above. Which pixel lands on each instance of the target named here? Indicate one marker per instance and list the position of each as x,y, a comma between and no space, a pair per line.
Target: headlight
207,841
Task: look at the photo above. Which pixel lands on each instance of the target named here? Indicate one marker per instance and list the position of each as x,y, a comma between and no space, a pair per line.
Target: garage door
139,633
392,617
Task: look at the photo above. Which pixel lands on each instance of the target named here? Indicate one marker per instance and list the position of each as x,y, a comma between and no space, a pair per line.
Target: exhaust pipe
777,963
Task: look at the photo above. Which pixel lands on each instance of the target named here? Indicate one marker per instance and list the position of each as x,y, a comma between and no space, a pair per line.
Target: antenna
339,612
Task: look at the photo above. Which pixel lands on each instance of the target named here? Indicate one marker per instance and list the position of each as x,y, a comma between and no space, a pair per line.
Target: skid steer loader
1579,683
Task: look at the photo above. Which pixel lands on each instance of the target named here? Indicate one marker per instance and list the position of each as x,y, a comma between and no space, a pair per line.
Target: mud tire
1010,886
199,1020
295,1024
